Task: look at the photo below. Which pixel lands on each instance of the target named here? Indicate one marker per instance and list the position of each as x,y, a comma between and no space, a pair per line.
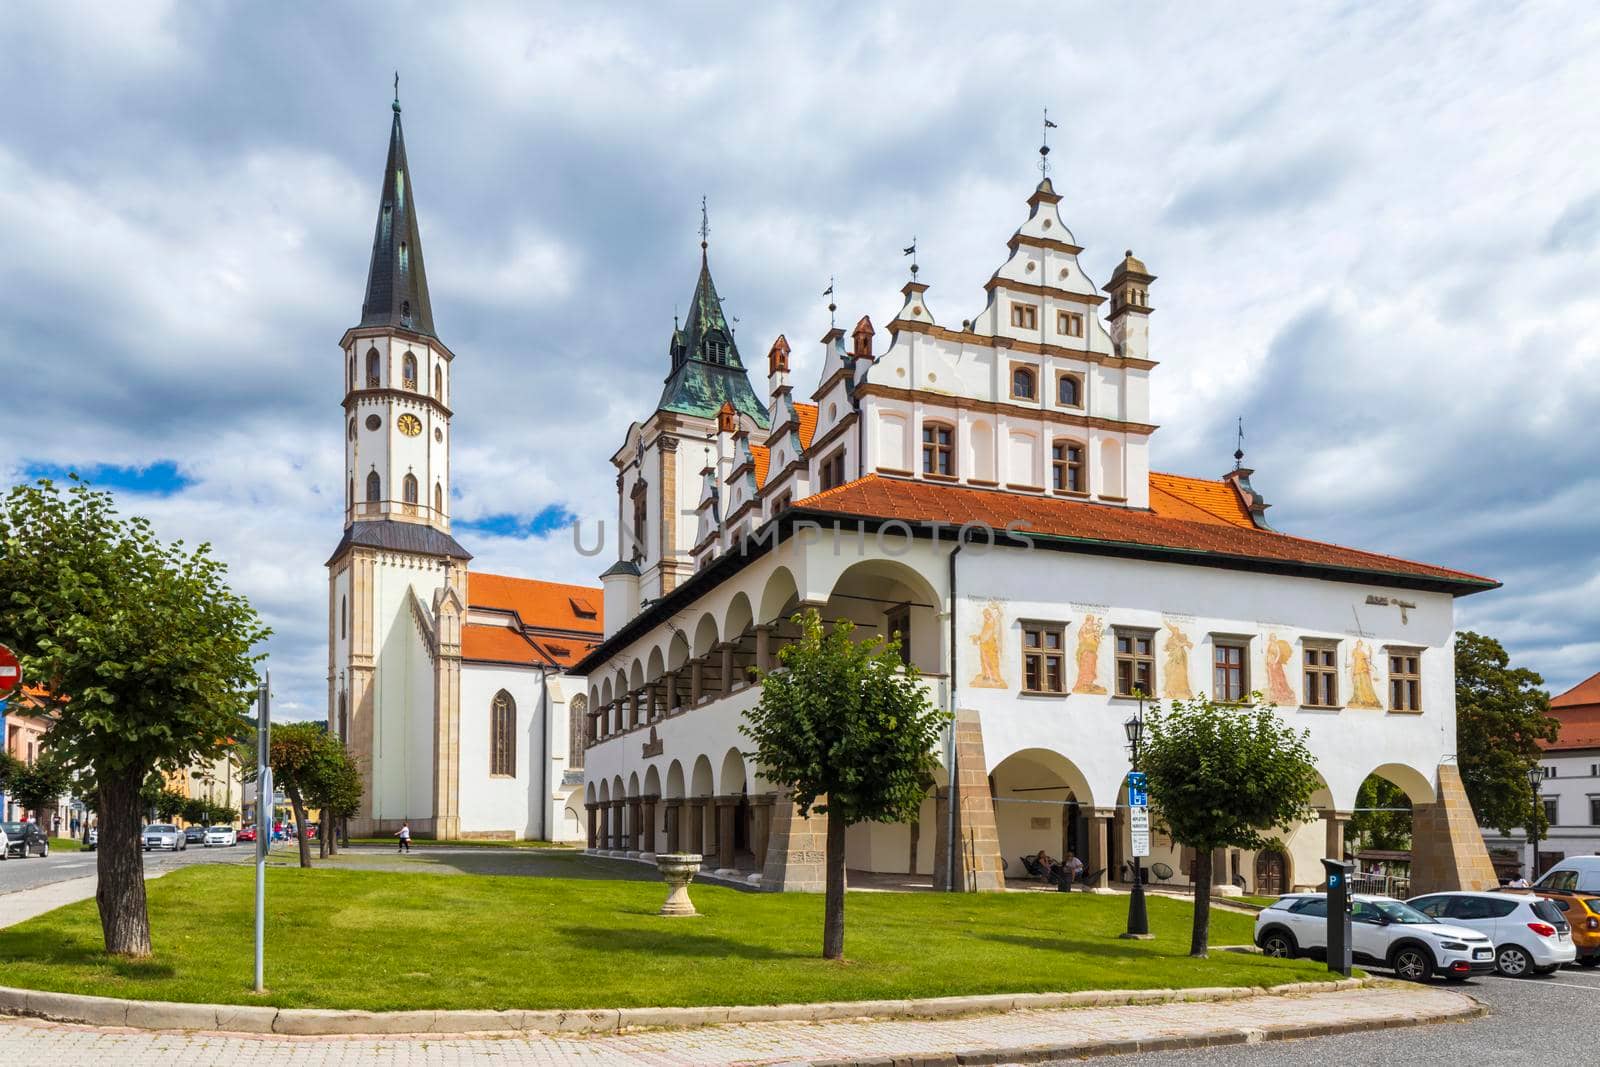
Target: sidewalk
24,904
1012,1037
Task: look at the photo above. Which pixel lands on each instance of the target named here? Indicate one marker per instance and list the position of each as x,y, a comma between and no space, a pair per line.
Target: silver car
163,835
220,836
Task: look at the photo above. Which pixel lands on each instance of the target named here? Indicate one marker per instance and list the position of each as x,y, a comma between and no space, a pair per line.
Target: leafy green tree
336,789
1223,777
221,815
170,804
847,728
35,787
146,654
1382,818
312,767
196,811
1501,716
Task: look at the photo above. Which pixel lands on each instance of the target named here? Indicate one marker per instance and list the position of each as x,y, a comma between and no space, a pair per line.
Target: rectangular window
1069,391
1551,807
1069,324
1594,811
1405,679
1025,316
1321,664
938,449
1044,657
1066,467
1136,662
1230,671
832,474
898,621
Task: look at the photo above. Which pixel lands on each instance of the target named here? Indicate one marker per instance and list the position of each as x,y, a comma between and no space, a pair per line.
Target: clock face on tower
409,424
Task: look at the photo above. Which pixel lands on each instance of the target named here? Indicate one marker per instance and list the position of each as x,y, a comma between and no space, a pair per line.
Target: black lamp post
1138,918
1535,779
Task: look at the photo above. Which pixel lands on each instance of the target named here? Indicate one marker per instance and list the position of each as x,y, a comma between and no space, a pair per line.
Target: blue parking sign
1137,798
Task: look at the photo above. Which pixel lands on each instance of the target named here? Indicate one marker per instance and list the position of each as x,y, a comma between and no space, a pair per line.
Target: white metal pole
263,818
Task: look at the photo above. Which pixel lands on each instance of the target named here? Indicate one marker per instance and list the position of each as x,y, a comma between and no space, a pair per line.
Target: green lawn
389,941
428,842
65,844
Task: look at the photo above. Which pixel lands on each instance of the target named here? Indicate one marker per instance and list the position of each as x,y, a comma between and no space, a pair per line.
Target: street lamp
1535,779
1138,918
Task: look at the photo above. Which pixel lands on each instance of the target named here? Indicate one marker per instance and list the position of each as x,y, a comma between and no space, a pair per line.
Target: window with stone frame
1069,390
374,488
938,449
409,488
1230,669
1552,809
1135,660
1044,658
1594,811
640,520
578,726
1069,324
408,371
830,474
1024,383
1405,679
503,736
1066,467
374,368
1320,667
1024,316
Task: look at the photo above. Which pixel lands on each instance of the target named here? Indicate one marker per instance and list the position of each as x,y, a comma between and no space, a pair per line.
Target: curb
315,1022
1244,1035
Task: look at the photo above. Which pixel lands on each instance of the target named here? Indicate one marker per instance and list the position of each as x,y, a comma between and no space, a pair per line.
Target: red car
247,834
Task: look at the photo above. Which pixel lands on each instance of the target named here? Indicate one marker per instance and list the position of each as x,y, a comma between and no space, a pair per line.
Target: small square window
1069,324
1025,316
1044,657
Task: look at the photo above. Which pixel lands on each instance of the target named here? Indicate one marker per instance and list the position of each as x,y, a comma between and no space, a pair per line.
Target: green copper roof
706,368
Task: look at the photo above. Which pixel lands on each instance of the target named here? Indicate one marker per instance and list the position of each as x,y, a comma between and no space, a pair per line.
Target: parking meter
1339,905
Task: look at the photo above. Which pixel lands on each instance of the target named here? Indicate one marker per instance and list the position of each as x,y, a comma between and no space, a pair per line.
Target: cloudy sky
1377,231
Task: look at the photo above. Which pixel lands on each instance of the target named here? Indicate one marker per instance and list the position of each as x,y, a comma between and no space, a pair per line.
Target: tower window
352,429
373,380
438,498
344,616
938,449
405,260
503,736
1069,324
374,488
344,720
408,371
1066,467
1025,316
1024,383
1069,391
350,494
405,313
438,384
409,487
350,382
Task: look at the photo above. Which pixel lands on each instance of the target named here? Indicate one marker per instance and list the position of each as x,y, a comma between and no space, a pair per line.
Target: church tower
397,580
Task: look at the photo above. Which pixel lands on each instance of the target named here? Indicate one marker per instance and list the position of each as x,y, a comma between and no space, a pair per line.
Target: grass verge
420,843
65,844
385,941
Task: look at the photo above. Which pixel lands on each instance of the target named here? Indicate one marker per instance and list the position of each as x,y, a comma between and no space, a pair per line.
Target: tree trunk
330,833
1200,872
299,806
322,844
124,920
833,918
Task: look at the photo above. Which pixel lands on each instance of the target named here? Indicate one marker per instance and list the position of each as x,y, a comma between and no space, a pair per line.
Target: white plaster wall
495,803
403,691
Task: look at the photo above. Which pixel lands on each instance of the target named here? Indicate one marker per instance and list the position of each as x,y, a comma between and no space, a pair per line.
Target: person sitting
1073,867
1051,867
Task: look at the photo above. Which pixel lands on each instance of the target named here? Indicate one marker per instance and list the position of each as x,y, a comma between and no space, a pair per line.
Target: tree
1375,823
196,811
146,655
295,756
169,804
1501,716
335,788
221,815
37,786
1222,777
847,728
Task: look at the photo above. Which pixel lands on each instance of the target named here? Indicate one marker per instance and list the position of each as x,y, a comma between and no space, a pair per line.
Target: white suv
1530,934
1383,931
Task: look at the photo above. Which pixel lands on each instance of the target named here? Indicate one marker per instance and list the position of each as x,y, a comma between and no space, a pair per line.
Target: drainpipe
950,736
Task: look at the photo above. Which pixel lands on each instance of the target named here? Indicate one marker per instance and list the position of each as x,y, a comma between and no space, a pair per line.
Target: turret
1130,308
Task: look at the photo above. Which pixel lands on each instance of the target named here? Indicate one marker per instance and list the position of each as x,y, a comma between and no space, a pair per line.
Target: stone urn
679,869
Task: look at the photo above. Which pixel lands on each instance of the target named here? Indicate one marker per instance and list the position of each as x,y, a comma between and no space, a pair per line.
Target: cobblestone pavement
25,1042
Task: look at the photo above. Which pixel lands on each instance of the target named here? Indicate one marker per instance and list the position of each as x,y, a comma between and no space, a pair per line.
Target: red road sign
10,671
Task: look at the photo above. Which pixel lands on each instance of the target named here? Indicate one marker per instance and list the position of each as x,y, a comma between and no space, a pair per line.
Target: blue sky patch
161,478
548,520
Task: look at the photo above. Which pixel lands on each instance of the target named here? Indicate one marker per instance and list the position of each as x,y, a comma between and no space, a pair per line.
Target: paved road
1531,1020
60,866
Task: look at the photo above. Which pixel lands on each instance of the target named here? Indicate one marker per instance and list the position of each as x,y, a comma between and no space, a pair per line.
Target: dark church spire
397,285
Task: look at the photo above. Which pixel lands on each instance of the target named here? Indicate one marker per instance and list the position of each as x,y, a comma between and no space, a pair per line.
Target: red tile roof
1200,499
1585,692
762,457
807,414
497,644
540,605
1580,728
876,496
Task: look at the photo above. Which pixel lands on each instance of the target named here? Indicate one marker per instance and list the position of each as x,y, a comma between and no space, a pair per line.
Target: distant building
24,724
1570,791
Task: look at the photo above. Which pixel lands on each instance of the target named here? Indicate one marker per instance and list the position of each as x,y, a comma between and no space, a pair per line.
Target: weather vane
1238,452
911,250
397,90
832,307
705,225
1044,145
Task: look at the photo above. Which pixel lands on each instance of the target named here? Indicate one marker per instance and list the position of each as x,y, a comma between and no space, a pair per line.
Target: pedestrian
405,837
1074,868
75,826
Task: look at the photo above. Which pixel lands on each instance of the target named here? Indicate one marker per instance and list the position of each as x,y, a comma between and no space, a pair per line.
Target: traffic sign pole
263,819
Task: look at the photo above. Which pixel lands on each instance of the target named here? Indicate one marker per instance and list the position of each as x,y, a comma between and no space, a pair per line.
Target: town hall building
988,488
447,684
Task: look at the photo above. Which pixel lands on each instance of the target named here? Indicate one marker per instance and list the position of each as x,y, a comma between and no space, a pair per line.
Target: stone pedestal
679,869
977,842
1447,850
796,851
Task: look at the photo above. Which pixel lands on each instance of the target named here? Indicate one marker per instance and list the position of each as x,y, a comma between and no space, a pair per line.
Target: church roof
400,537
706,369
1578,710
552,624
397,285
1127,531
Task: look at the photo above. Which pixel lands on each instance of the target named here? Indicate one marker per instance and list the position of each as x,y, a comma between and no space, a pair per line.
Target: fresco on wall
1280,654
1089,656
990,640
1363,694
1175,667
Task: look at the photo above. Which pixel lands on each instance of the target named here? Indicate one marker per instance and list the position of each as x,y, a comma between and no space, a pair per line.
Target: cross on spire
397,91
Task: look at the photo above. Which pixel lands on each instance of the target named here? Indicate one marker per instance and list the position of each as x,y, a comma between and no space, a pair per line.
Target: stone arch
652,781
884,595
656,666
588,791
701,782
605,790
705,633
636,676
677,652
633,784
1414,783
738,617
732,779
605,695
778,597
674,787
1043,803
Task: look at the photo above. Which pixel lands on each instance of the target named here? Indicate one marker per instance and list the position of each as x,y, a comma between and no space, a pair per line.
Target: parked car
163,835
91,840
194,835
1530,934
247,834
1383,931
222,836
1580,874
1582,912
23,839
